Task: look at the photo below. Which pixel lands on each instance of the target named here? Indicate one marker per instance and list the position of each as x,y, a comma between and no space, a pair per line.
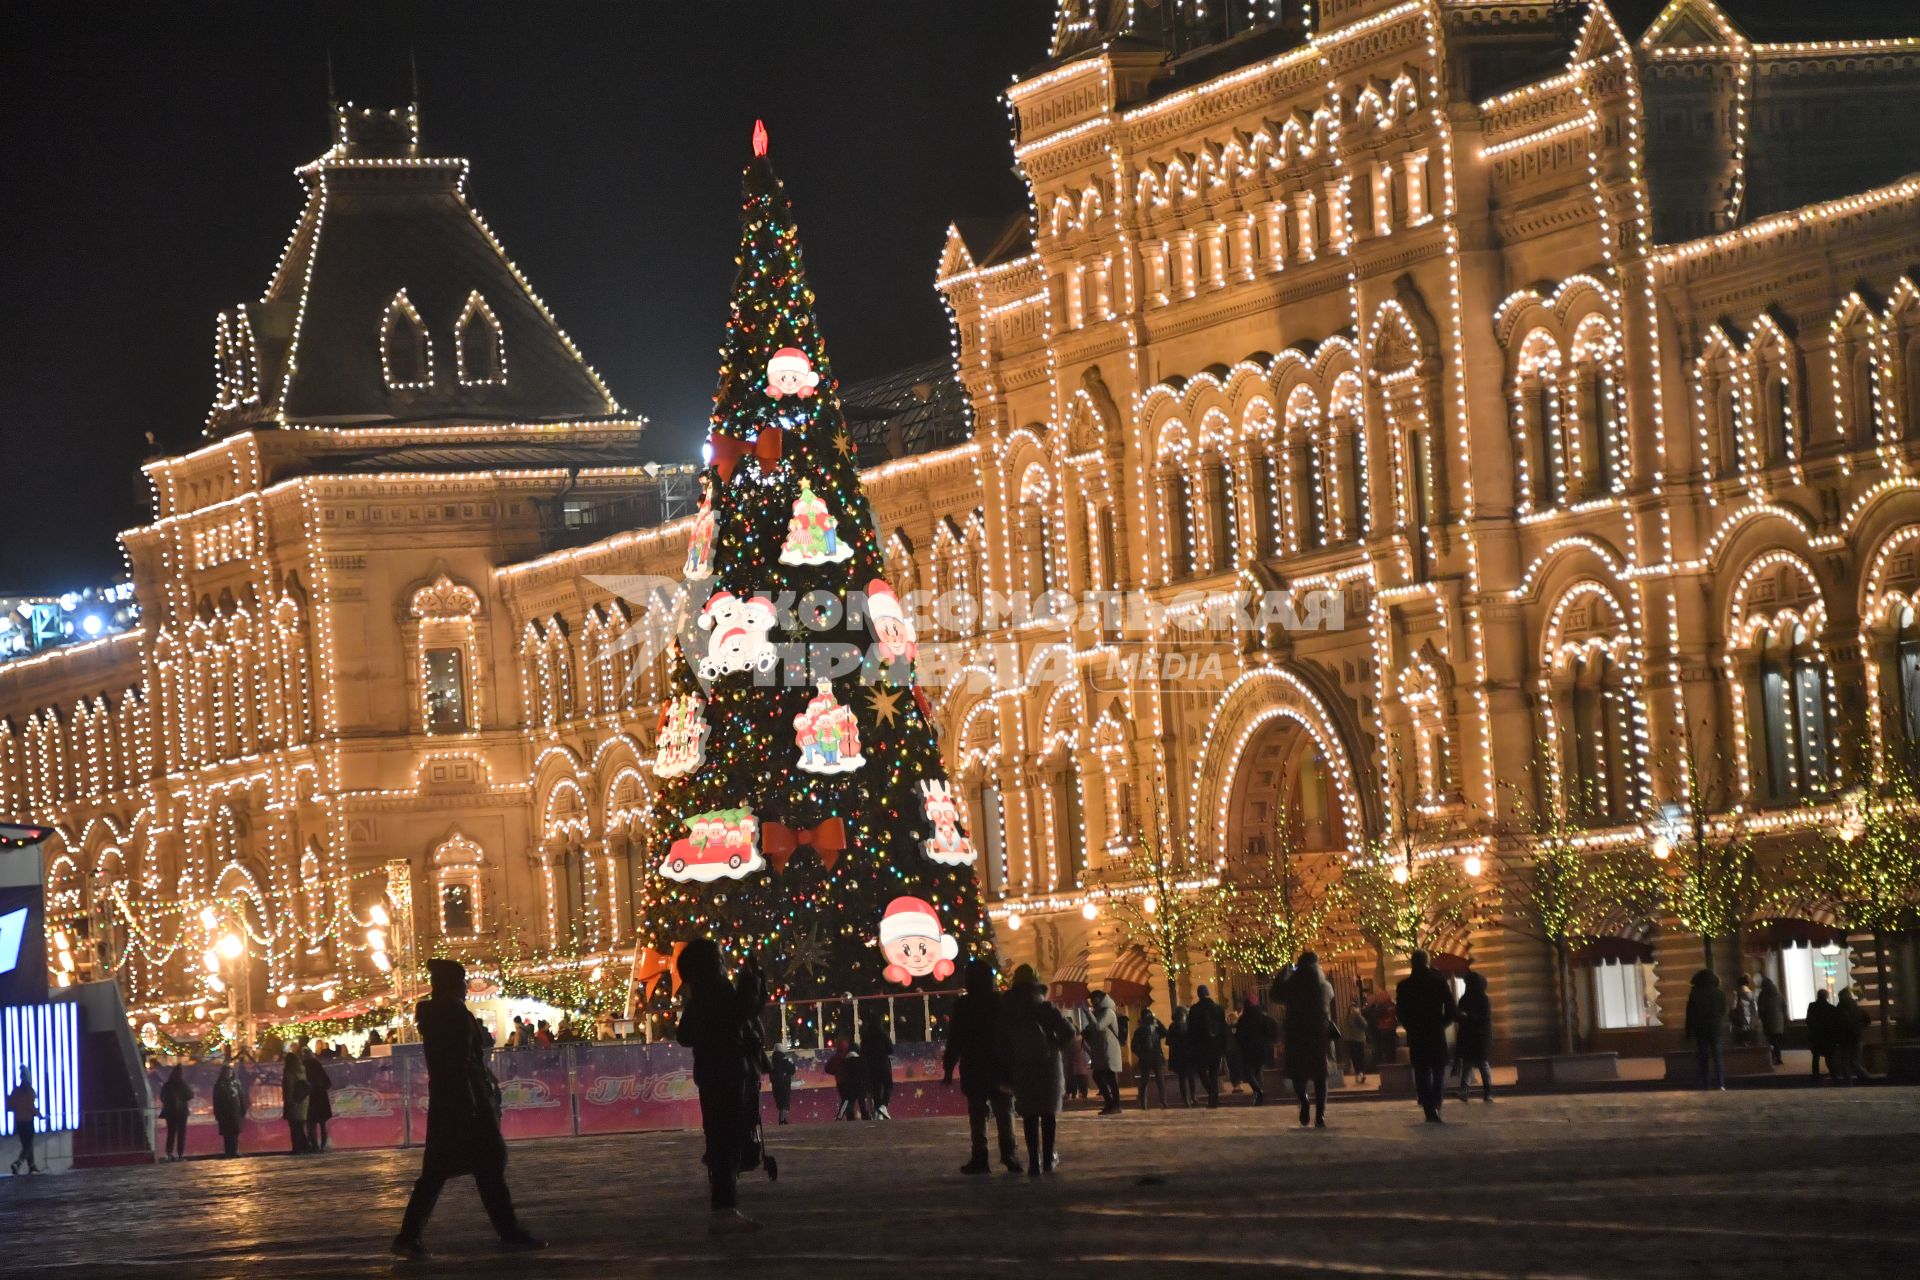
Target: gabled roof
989,241
1765,21
381,219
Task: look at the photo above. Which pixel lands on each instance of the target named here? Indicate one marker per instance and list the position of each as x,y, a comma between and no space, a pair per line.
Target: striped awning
1131,981
1069,986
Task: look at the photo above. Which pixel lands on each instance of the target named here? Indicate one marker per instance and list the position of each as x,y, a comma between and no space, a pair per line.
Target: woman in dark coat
780,1069
1822,1035
1473,1041
175,1094
319,1102
1254,1035
1308,1031
1031,1035
229,1108
876,1051
293,1101
463,1115
721,1024
1180,1056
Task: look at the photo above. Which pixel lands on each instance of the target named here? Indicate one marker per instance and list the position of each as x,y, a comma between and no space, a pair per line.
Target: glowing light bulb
231,946
281,1000
381,962
379,915
1013,921
1400,874
326,994
1090,912
199,1012
1662,847
1471,864
595,975
211,961
377,939
1150,905
207,918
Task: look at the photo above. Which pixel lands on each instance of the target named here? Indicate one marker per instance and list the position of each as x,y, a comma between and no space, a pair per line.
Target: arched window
1032,552
480,350
1792,684
1593,411
406,352
1536,412
1906,672
1347,436
1310,466
1592,707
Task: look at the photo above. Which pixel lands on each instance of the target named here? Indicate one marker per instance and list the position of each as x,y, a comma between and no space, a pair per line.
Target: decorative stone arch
1259,697
1591,698
440,628
1889,612
461,902
1780,678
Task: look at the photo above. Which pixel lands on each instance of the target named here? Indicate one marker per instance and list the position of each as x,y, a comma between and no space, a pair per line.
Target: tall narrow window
1810,718
446,692
406,352
456,910
989,834
481,350
1907,658
1776,719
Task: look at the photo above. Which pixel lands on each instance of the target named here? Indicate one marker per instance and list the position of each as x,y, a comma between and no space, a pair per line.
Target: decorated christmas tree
803,814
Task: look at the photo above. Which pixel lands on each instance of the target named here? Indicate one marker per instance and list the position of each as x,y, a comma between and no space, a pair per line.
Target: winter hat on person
1024,976
447,977
915,918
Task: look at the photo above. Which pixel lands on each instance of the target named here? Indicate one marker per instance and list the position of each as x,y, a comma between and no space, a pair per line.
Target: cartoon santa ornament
914,943
888,621
790,373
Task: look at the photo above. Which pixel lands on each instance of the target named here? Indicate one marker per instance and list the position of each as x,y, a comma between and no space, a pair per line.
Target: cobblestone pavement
1756,1183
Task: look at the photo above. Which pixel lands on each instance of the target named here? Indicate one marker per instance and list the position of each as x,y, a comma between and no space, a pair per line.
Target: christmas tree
803,815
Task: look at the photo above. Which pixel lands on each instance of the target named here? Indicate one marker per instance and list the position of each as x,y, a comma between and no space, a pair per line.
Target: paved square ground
1793,1182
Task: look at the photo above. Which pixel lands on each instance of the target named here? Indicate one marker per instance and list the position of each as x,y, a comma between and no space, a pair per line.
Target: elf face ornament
914,943
790,373
892,633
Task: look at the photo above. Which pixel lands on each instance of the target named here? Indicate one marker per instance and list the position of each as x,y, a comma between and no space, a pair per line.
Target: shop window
1621,996
1807,970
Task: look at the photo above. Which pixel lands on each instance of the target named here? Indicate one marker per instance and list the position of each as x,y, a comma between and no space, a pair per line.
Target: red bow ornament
727,450
778,841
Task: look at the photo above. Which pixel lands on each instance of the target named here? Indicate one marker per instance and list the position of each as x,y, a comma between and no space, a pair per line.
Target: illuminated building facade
1577,362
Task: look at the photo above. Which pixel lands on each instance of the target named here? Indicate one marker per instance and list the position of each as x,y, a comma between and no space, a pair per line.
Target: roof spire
333,98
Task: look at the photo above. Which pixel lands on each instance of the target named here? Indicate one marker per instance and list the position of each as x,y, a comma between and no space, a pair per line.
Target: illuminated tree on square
803,816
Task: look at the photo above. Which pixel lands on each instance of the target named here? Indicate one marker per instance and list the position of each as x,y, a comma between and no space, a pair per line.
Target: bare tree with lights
1555,892
1273,908
1865,870
1177,907
1712,883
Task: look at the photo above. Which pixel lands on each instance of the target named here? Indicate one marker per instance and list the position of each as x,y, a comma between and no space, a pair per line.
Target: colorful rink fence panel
545,1093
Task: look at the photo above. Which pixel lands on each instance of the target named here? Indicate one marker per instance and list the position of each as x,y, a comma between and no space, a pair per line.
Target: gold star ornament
884,705
843,443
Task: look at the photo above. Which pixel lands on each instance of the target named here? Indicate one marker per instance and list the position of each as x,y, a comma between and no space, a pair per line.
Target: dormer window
234,367
480,349
406,352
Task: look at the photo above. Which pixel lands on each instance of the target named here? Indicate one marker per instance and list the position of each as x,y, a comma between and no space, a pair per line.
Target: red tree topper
759,137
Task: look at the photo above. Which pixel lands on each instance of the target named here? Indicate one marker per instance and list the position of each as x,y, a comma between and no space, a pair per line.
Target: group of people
1836,1024
862,1072
306,1103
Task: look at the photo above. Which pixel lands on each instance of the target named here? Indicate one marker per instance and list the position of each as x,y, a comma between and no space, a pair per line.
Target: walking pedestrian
1031,1035
1207,1042
876,1051
1823,1035
175,1094
24,1107
463,1116
1383,1025
1473,1042
1425,1007
1743,1013
780,1075
1102,1035
516,1039
1255,1035
1150,1056
293,1100
1355,1038
1180,1056
1849,1028
1773,1015
229,1109
1230,1057
1308,1026
721,1024
850,1080
973,1047
1706,1026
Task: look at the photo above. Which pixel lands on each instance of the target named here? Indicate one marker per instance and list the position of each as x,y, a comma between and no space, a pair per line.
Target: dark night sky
147,161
